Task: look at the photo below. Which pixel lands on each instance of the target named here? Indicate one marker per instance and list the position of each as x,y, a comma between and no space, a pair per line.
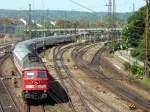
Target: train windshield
29,75
41,74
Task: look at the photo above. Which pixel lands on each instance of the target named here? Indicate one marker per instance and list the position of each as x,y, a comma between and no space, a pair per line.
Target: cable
82,6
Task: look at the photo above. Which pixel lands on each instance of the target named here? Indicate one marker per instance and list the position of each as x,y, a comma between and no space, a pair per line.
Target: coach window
41,74
30,75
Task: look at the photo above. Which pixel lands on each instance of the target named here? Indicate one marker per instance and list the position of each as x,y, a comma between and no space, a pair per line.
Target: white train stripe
35,86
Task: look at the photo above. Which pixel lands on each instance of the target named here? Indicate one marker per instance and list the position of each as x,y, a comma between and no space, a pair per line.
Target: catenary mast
147,40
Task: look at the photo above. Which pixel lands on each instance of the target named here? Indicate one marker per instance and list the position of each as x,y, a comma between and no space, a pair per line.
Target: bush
112,47
135,69
127,66
140,71
138,53
135,52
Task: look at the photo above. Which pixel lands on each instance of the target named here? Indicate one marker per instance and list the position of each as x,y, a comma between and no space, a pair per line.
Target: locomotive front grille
36,95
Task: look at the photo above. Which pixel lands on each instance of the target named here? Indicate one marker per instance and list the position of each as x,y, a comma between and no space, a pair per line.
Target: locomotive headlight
29,86
41,86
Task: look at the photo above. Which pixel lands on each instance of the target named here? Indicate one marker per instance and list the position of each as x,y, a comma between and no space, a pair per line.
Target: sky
95,5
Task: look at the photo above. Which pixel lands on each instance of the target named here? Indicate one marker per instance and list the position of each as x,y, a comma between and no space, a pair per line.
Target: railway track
114,86
7,102
31,108
87,96
53,93
68,83
91,97
1,108
58,100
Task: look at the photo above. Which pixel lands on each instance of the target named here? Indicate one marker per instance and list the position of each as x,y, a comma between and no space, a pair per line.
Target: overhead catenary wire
85,7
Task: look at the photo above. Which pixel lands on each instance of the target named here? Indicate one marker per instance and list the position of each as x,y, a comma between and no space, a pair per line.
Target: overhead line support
147,40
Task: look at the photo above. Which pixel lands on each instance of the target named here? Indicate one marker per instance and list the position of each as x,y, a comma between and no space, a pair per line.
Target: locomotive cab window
33,58
30,75
41,74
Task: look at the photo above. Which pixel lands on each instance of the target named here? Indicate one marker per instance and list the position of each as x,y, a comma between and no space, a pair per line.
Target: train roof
36,67
42,39
22,49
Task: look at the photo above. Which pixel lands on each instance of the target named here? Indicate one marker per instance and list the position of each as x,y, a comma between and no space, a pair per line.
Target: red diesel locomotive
34,76
34,83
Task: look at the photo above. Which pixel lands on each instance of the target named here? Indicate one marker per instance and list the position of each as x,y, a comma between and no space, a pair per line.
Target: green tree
133,33
135,28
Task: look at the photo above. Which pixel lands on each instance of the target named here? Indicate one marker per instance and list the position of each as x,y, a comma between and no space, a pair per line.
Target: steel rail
53,93
6,90
37,108
1,108
77,56
72,78
59,74
71,83
10,97
96,99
